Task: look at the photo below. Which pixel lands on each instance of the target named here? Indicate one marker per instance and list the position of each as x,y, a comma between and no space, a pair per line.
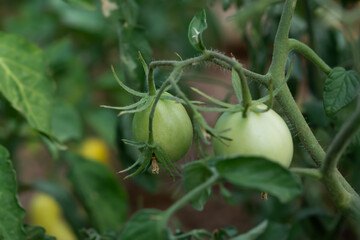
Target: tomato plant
260,134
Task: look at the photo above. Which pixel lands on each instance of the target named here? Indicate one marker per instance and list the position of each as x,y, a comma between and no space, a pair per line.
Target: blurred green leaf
79,18
252,10
196,27
260,174
103,121
145,224
226,4
72,84
86,4
315,114
36,233
24,82
126,11
30,22
131,41
92,234
194,174
253,233
11,213
102,195
66,122
276,231
58,53
341,87
224,233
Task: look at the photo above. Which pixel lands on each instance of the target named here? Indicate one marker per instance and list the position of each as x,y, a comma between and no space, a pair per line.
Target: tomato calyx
154,165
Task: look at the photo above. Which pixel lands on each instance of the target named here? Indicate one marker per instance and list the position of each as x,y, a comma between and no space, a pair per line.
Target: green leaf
146,224
341,87
66,123
92,234
23,81
124,11
253,233
11,213
194,174
226,4
260,174
133,40
224,233
250,11
276,231
103,121
101,193
36,233
196,28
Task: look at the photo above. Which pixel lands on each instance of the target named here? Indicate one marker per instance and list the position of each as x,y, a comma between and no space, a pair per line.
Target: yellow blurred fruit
96,150
44,211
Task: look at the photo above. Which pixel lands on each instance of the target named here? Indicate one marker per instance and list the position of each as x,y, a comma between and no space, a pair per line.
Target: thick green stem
185,199
346,201
278,62
284,97
309,54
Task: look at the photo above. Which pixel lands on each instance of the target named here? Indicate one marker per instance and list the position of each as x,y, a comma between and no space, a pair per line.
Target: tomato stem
295,45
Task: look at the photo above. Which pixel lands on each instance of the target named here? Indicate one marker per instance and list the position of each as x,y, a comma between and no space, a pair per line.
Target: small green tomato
259,134
172,128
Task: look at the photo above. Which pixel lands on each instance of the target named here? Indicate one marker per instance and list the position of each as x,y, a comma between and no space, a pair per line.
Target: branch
347,201
307,52
310,172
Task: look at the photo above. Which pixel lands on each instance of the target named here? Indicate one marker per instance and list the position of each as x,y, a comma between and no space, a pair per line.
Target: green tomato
172,128
259,134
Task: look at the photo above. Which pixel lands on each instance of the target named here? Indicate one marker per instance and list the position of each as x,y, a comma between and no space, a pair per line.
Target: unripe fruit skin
95,149
172,128
259,134
46,212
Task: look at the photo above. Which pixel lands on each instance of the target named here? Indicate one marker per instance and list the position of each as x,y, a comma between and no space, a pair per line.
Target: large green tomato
172,128
259,134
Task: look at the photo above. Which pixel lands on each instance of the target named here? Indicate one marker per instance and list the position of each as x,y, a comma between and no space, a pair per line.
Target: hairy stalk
285,99
239,69
263,79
